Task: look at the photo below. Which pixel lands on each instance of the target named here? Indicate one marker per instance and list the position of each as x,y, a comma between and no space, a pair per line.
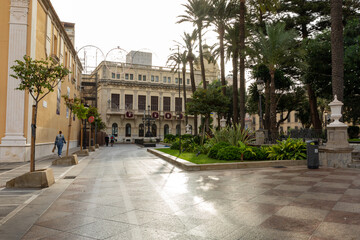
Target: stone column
14,133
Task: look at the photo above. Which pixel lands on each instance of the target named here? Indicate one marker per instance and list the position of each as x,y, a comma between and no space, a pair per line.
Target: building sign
129,114
168,116
155,114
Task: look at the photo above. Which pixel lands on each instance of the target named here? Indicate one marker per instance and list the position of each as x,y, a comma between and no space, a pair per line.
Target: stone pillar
337,152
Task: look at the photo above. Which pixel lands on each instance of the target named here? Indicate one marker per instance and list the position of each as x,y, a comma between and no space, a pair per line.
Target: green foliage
175,145
353,131
214,150
39,77
169,138
71,103
233,135
289,149
80,111
229,153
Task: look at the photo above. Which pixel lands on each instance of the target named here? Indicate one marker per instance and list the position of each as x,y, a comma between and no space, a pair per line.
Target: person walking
107,140
59,142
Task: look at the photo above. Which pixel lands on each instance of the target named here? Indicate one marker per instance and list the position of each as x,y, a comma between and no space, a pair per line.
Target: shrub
169,138
233,135
353,131
252,153
186,136
175,145
188,145
289,149
214,150
229,153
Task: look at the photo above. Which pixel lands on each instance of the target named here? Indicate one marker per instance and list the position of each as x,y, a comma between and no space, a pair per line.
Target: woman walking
59,142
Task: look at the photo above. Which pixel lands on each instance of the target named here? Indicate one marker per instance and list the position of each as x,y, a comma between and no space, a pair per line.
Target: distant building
139,58
124,92
33,28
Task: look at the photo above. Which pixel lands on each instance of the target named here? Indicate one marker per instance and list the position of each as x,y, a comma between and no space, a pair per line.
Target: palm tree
337,49
189,43
232,47
197,13
175,60
242,62
274,49
221,12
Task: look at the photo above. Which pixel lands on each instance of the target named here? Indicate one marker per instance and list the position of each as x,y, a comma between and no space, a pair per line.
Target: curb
189,166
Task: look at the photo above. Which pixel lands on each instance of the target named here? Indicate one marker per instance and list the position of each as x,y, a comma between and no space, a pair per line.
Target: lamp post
148,119
179,99
260,87
84,142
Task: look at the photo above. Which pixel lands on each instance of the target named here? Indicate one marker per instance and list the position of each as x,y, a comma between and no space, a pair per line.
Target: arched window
114,129
153,130
128,130
141,130
166,129
178,129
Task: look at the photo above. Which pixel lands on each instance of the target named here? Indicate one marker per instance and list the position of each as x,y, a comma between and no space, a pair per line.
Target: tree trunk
81,135
235,89
273,129
267,106
89,136
69,132
242,63
184,90
315,119
33,138
222,59
203,77
193,89
337,49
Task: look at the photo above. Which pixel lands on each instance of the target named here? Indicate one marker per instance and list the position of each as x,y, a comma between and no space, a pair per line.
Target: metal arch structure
85,61
119,62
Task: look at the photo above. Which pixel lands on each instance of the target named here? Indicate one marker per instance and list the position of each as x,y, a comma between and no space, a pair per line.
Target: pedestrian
59,142
112,140
107,140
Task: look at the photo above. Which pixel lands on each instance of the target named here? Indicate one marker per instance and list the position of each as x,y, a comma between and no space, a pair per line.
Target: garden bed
205,162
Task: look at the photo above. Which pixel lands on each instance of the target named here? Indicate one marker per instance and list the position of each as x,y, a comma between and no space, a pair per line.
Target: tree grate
70,177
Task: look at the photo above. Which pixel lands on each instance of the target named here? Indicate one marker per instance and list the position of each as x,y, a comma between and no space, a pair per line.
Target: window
156,78
296,117
288,129
254,120
152,78
114,129
113,75
187,81
144,77
153,130
55,52
128,130
166,129
154,103
178,104
167,101
141,102
139,77
180,80
289,118
126,76
115,101
128,102
164,79
176,80
169,79
118,76
141,130
131,76
281,129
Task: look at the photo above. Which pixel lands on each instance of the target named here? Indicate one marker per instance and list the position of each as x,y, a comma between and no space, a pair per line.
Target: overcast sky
145,25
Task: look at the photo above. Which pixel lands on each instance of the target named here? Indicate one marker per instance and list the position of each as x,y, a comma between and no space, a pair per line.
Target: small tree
71,103
81,112
39,78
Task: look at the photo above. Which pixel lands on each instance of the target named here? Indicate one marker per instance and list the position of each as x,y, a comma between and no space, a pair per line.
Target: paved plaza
124,192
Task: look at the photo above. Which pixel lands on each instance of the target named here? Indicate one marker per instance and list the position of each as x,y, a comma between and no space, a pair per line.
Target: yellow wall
4,48
48,122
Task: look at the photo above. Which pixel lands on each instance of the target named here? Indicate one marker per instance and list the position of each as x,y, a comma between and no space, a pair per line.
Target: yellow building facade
32,28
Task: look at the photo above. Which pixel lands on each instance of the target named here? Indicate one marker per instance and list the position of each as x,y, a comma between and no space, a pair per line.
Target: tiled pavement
126,193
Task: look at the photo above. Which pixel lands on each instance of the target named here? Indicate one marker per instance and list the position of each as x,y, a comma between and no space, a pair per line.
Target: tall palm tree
242,62
175,61
197,13
232,47
189,43
221,12
274,49
337,49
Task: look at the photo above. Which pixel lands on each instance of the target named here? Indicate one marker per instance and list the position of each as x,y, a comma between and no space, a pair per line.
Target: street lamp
260,84
179,99
148,119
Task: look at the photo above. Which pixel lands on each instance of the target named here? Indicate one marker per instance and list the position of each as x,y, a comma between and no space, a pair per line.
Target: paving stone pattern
127,193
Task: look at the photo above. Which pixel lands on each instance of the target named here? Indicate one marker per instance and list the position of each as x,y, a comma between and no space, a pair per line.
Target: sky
139,25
